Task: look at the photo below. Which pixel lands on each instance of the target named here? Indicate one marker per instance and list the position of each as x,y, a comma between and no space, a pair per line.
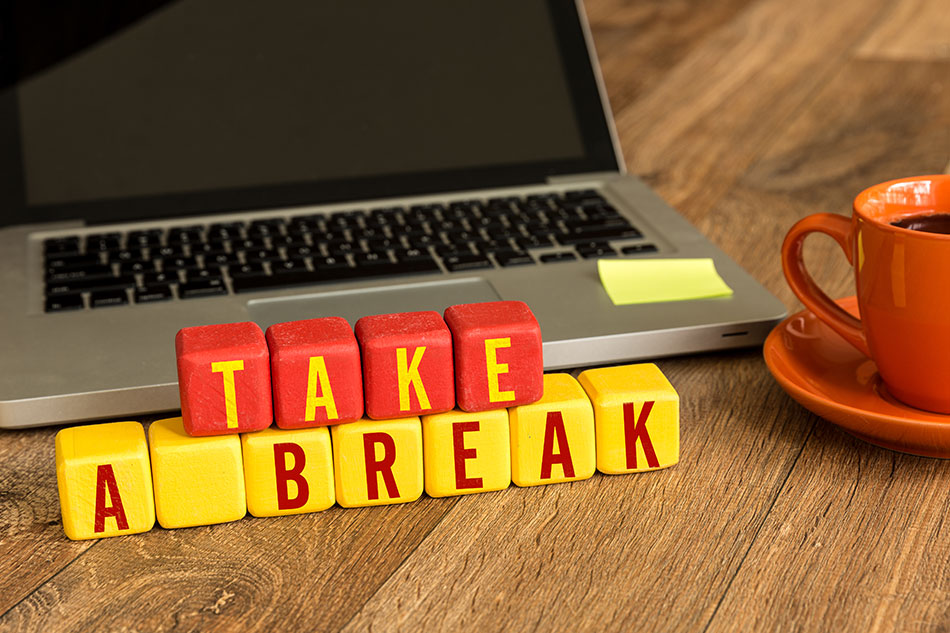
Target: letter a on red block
285,475
105,481
382,466
634,430
554,428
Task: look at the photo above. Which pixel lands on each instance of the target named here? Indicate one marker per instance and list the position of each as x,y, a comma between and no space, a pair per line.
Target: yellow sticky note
288,471
105,481
629,281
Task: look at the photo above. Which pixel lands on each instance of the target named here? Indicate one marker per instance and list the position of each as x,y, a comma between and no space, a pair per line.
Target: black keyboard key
534,241
140,266
61,303
513,258
596,249
610,233
581,194
185,235
288,266
371,259
412,254
453,250
638,249
220,258
179,263
106,298
261,255
98,283
563,256
125,255
250,268
225,231
152,293
143,239
330,263
172,250
90,271
102,242
264,282
61,245
71,262
460,263
202,288
158,279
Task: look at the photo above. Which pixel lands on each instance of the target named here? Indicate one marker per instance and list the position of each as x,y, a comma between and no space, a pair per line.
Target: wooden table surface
746,115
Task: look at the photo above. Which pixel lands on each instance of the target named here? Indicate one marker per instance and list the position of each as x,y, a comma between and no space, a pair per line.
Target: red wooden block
498,360
407,364
224,379
315,366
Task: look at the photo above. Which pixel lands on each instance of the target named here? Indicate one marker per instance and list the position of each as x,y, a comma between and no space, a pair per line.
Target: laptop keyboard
150,265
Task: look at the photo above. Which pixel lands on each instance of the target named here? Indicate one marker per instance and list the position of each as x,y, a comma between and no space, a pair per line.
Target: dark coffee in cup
927,222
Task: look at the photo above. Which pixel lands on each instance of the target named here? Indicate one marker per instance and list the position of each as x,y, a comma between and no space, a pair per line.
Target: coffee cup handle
805,288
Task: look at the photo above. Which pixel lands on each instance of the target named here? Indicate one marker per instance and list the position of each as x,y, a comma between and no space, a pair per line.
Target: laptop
223,161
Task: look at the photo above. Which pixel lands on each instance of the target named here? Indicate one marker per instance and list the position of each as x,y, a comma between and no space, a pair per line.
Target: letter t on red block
498,359
407,364
316,372
224,379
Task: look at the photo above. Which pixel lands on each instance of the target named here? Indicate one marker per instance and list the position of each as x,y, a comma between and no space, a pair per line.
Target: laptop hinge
572,178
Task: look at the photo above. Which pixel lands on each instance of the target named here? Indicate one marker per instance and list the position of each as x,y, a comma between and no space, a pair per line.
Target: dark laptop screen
219,105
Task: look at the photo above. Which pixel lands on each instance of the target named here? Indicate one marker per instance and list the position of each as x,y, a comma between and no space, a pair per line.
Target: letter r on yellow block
227,369
407,373
495,368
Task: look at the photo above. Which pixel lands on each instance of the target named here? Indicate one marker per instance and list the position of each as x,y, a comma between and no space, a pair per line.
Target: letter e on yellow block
466,452
104,480
288,471
377,462
197,480
636,414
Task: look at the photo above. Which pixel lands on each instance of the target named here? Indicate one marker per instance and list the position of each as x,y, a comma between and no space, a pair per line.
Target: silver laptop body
119,361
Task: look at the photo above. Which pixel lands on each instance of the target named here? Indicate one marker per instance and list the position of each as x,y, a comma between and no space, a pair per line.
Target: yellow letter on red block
104,479
552,440
466,452
636,412
288,471
197,480
377,462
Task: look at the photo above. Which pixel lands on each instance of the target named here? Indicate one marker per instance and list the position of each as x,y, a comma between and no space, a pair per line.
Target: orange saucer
837,382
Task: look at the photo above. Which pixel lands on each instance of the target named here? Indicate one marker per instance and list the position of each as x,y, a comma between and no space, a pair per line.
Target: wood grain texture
748,115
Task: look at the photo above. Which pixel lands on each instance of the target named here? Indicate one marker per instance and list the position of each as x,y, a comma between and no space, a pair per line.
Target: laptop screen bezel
600,155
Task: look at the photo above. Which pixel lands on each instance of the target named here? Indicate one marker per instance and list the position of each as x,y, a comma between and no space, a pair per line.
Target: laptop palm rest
353,304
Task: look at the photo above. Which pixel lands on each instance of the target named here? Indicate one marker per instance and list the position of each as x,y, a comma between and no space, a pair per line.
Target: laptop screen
196,107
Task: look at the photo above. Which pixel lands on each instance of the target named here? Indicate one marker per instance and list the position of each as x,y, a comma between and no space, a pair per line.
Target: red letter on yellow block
635,428
382,466
554,428
284,475
461,454
105,479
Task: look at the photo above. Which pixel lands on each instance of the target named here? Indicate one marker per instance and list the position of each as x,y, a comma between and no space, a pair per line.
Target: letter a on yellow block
636,414
317,377
495,369
197,480
408,374
227,369
104,479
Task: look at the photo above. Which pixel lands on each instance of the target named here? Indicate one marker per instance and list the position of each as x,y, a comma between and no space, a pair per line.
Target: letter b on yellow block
197,480
636,414
552,440
288,471
377,462
104,479
466,452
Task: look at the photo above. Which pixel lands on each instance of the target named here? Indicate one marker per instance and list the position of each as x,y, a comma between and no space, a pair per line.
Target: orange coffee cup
903,284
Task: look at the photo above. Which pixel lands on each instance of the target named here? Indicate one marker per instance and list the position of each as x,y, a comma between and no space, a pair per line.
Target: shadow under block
498,360
408,368
224,379
377,462
197,480
104,480
316,373
636,415
552,440
466,452
288,471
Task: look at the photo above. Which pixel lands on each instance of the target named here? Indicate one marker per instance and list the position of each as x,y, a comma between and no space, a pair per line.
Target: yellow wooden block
636,412
466,452
197,480
377,462
552,440
104,479
288,471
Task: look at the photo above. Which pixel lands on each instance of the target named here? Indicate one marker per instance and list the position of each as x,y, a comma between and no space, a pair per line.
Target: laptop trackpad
353,304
